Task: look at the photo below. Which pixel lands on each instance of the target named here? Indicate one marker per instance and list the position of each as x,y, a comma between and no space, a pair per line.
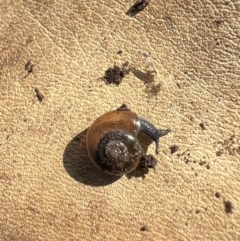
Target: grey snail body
112,142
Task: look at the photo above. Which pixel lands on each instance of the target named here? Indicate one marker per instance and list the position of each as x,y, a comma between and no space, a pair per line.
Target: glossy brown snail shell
112,142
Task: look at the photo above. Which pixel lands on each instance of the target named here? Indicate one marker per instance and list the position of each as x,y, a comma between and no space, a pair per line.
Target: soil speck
144,228
228,205
174,148
217,194
39,95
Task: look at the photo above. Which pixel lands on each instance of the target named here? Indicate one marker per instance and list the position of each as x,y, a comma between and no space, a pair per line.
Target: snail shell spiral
119,152
112,142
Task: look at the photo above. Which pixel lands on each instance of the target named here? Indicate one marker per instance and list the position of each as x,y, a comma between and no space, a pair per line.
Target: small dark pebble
228,206
174,148
148,161
197,211
39,95
208,166
29,67
144,228
119,52
187,161
202,163
123,107
139,5
202,126
114,75
217,194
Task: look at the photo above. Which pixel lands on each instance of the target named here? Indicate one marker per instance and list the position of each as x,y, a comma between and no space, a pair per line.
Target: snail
112,140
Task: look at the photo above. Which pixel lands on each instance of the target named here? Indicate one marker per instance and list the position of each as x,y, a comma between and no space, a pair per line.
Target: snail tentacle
152,132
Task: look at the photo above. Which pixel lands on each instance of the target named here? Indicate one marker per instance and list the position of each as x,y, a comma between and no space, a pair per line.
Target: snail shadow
79,166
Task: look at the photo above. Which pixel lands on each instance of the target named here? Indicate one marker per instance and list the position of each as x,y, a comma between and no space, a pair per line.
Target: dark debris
137,7
202,126
29,68
174,148
228,205
148,161
144,228
114,75
217,194
39,95
123,107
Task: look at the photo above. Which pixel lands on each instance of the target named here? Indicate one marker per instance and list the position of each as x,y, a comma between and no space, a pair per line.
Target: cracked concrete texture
50,190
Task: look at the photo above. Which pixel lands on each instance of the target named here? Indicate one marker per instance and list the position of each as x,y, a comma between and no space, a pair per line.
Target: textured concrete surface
49,189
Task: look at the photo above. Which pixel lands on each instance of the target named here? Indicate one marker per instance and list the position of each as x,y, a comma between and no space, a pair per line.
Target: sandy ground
49,188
